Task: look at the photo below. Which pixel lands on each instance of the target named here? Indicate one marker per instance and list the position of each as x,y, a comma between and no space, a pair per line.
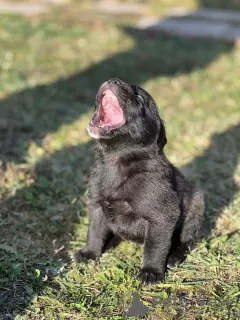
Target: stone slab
22,8
209,14
28,8
54,2
192,28
117,8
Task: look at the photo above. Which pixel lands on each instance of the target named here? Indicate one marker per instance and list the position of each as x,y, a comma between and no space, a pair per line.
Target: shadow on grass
37,215
213,172
33,113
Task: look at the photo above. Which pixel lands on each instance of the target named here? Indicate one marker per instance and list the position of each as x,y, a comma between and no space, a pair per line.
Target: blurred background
54,55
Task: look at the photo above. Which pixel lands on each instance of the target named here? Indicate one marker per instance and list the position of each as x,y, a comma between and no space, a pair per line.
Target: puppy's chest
122,215
113,183
115,191
119,180
119,189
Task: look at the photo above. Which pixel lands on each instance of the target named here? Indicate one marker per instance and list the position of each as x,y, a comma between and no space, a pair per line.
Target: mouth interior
110,113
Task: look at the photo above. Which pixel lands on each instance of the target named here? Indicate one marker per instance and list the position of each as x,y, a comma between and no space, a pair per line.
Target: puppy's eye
139,97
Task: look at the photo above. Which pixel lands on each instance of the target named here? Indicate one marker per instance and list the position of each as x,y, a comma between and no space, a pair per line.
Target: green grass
50,71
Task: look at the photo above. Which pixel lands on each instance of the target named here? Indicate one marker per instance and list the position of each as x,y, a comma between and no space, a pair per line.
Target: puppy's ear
162,139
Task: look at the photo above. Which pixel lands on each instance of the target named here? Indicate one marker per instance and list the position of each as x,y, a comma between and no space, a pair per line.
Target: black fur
136,193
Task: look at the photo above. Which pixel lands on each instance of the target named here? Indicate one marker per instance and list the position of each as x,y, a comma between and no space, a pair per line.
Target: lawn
51,67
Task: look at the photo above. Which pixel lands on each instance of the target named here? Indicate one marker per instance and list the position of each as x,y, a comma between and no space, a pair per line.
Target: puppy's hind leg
190,232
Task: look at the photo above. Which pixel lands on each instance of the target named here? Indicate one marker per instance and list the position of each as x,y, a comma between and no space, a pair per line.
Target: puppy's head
126,113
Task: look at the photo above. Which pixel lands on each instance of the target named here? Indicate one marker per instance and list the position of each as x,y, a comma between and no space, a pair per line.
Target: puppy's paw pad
150,276
84,255
174,261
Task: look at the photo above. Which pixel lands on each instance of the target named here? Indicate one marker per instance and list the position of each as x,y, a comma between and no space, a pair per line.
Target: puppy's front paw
84,255
174,261
176,258
150,276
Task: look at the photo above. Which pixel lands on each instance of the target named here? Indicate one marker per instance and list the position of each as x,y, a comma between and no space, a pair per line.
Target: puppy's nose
114,81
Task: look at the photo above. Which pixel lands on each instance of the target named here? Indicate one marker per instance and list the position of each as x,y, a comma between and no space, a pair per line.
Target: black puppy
135,192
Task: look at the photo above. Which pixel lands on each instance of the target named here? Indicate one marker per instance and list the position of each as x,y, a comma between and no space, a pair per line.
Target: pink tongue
112,111
105,101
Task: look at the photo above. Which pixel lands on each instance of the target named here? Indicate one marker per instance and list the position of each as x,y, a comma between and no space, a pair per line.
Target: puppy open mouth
109,114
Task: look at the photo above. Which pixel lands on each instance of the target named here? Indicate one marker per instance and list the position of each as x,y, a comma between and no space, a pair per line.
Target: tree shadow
29,115
45,209
213,172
